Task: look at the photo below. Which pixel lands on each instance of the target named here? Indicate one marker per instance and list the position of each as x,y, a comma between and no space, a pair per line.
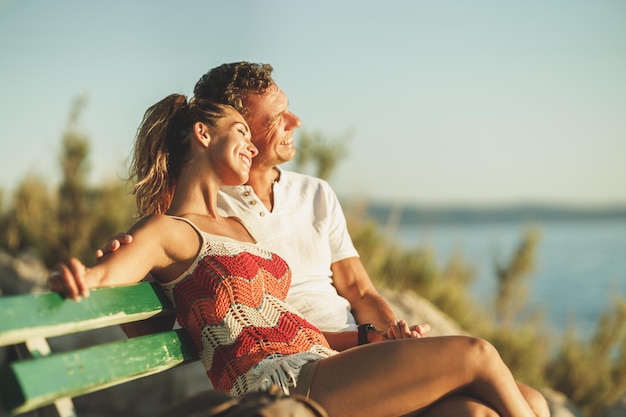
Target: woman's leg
460,405
403,376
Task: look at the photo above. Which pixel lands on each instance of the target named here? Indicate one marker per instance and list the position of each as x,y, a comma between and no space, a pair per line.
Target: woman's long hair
163,146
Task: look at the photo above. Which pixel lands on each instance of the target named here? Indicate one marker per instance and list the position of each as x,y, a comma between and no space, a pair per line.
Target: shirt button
262,214
253,202
246,194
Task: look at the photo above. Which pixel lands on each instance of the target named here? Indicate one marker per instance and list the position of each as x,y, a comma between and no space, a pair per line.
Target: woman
229,293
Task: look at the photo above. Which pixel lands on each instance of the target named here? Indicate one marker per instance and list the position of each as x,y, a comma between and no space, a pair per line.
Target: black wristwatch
363,329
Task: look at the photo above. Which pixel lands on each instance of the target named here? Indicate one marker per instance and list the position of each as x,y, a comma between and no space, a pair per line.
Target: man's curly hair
232,83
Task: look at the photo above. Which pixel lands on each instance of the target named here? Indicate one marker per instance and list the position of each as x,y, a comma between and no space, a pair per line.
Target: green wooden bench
40,379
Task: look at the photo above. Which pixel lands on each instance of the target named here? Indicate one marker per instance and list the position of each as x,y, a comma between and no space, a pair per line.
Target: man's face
272,127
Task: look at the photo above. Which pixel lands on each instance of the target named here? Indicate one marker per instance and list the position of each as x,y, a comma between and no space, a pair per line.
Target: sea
580,265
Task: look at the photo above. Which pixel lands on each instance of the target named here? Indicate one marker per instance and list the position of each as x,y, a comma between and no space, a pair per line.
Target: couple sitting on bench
230,294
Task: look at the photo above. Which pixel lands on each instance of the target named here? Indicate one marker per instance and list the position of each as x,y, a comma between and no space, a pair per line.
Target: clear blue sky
473,102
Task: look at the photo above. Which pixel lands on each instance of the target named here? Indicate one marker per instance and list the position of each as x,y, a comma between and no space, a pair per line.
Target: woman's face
231,148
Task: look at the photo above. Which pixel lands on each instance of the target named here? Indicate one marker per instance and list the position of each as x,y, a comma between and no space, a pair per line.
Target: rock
617,409
22,274
409,306
560,405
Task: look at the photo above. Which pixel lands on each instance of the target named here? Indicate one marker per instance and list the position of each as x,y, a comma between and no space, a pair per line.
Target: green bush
592,372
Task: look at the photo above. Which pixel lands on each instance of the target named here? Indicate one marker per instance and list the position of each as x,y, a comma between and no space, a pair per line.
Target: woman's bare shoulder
161,229
157,222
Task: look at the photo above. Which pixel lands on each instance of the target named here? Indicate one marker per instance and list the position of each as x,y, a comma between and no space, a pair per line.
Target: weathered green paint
27,320
45,315
29,384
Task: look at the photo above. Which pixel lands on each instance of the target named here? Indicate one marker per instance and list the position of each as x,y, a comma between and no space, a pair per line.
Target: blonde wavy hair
162,147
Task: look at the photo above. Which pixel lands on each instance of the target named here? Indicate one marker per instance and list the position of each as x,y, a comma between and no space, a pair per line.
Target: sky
444,102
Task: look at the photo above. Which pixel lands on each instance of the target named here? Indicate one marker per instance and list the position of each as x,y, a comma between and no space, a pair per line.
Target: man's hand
112,245
400,329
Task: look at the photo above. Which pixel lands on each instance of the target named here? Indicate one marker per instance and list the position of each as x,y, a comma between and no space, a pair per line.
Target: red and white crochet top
231,301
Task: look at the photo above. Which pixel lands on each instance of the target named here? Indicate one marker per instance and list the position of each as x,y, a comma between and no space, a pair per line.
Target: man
297,216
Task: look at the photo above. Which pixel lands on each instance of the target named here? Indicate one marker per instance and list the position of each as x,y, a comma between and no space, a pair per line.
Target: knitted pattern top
231,301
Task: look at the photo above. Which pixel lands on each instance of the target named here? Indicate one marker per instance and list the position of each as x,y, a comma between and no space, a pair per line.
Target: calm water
580,265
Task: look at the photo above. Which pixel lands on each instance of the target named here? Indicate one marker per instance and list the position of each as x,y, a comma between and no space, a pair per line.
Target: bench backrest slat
29,384
48,314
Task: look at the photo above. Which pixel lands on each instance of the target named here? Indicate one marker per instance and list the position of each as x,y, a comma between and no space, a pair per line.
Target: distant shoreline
413,214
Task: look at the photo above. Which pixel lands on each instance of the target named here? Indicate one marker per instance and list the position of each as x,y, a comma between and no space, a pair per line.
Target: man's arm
354,284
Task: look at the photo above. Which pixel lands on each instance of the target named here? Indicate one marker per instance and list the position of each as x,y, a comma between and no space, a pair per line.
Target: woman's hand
69,279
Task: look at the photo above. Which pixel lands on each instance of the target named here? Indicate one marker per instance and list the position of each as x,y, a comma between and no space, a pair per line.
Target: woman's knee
482,359
482,350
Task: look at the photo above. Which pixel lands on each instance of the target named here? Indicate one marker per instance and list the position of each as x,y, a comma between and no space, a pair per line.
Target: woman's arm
157,246
342,340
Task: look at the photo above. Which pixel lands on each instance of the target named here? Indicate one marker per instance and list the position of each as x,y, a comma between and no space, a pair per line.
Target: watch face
363,329
369,327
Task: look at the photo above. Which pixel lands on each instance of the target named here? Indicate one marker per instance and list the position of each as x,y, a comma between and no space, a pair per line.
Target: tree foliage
73,219
323,153
512,290
29,224
72,210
